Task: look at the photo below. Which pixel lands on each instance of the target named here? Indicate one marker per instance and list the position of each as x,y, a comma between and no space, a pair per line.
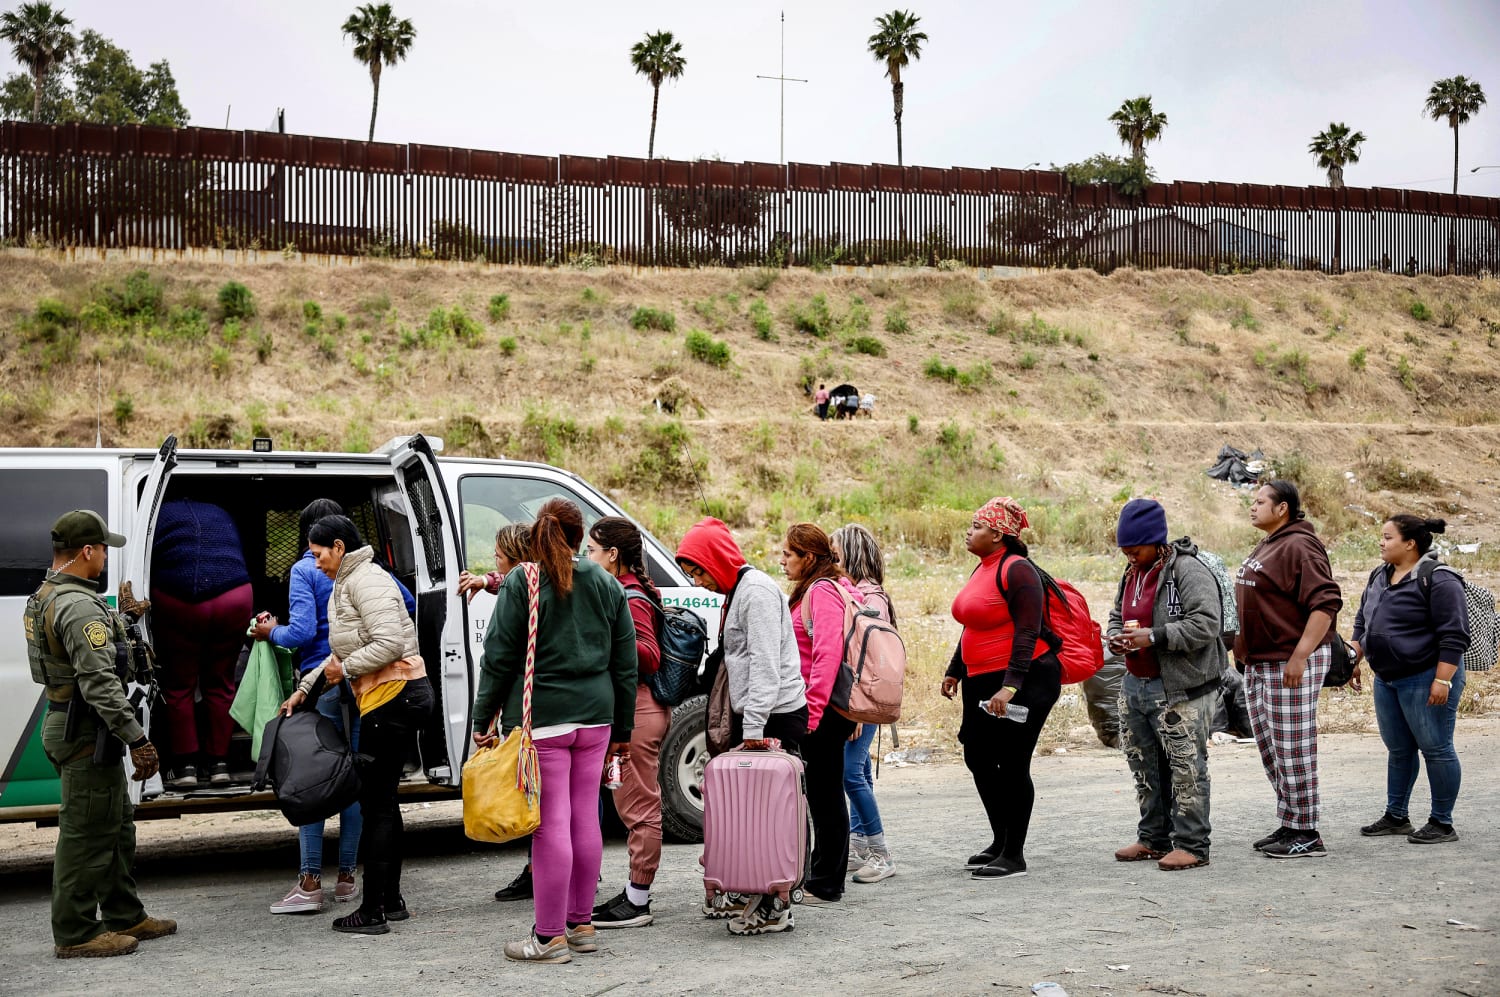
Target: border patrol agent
80,650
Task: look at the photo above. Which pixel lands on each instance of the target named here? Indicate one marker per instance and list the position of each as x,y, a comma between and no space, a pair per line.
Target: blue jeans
864,815
1166,747
1408,725
350,820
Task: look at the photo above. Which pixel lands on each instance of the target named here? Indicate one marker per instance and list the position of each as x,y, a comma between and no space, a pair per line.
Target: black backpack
311,766
681,636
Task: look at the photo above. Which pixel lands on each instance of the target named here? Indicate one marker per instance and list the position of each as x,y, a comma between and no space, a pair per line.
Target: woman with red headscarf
1006,658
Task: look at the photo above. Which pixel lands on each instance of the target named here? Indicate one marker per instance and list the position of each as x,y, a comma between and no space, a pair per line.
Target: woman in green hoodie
1288,603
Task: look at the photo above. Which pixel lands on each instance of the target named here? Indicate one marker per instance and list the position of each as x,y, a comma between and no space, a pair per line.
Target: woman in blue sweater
1413,626
306,632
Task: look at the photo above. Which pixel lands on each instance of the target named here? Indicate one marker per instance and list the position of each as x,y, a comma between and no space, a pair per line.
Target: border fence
82,185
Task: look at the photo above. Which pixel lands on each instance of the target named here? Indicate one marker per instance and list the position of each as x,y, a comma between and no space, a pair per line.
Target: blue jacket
1399,634
196,554
306,626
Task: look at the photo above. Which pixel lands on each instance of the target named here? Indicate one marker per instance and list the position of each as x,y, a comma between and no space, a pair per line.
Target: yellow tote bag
502,782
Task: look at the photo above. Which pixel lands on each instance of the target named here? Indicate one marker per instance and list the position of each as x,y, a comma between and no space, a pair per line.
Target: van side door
440,609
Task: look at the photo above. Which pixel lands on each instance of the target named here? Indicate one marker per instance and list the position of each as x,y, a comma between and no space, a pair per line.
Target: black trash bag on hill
1237,467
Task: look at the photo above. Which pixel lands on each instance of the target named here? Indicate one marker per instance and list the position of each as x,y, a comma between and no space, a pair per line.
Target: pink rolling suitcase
755,829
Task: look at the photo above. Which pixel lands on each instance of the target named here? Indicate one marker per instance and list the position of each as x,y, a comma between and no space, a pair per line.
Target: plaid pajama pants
1285,724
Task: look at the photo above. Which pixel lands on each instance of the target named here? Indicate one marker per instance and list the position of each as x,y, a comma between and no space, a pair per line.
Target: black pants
998,751
823,753
386,736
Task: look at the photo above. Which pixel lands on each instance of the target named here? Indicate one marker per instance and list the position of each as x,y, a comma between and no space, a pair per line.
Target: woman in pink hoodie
818,614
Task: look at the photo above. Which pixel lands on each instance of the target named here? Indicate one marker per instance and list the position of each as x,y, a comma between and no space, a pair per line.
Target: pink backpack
869,684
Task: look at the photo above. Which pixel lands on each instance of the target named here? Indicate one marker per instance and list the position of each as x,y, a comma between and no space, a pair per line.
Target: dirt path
1371,918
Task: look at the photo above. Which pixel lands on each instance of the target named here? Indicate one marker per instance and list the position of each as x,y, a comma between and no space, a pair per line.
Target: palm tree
1455,100
658,57
1336,147
380,39
1137,122
896,42
39,39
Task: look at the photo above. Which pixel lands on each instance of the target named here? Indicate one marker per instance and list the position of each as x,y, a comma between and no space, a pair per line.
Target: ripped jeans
1166,747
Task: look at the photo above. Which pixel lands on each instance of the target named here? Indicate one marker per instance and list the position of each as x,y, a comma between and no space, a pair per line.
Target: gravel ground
1376,916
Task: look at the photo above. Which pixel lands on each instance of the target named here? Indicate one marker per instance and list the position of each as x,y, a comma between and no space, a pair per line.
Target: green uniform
72,636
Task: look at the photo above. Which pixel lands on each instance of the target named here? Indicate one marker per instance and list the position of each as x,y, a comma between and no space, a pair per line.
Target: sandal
1138,852
1193,861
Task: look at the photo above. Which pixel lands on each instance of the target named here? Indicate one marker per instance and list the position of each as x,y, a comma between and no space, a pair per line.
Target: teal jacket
585,655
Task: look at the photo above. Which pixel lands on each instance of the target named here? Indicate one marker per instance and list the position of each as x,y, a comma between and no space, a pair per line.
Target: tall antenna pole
782,79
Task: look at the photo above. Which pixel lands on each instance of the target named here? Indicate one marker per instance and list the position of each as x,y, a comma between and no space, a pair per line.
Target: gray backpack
1484,623
1215,565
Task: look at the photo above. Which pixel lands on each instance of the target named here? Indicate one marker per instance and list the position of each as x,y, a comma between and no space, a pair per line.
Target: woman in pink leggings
583,707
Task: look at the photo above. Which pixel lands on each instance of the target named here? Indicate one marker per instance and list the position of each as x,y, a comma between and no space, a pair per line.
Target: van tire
684,752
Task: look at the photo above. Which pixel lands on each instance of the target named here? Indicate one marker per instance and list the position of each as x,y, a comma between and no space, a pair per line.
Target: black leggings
998,751
823,754
386,737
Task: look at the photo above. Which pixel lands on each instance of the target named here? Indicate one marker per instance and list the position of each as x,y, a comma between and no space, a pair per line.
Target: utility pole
783,79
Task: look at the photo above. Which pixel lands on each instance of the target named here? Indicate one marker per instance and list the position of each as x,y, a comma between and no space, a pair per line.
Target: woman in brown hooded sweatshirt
1288,601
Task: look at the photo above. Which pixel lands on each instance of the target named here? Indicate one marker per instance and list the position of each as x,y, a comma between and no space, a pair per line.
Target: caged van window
32,500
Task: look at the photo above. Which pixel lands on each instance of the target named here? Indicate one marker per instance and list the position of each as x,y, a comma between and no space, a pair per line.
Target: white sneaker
534,949
770,914
877,868
858,856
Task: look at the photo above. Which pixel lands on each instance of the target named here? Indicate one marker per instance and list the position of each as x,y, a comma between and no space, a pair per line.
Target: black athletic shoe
397,911
619,912
1274,837
1387,825
1297,845
1001,868
518,888
980,859
361,923
1432,833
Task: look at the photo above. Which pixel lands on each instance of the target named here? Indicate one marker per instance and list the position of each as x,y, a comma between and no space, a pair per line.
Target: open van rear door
441,611
137,572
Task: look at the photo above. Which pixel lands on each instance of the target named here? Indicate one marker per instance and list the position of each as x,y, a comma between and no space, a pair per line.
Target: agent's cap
80,527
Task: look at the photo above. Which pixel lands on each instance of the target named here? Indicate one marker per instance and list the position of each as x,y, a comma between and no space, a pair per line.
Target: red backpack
1068,626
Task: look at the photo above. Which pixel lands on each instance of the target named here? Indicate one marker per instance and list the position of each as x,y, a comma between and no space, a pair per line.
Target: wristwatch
1150,637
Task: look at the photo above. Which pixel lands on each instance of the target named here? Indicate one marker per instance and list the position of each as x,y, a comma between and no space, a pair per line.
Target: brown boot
151,927
101,946
1137,852
1181,859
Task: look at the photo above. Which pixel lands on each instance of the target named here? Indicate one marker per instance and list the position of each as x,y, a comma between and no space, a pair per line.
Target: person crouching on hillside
1166,620
1288,602
1001,659
767,697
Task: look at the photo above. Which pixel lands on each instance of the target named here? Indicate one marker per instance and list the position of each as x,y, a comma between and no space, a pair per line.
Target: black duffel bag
311,766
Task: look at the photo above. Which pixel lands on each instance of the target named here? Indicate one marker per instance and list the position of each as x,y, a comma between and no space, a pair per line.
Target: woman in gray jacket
1167,620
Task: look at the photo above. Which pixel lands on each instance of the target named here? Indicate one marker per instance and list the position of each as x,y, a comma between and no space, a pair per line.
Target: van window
34,500
492,501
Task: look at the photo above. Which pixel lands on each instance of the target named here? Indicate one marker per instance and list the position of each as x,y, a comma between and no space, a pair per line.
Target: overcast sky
1245,86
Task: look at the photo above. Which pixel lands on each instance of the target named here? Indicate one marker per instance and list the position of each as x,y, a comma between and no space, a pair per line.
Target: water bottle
1013,711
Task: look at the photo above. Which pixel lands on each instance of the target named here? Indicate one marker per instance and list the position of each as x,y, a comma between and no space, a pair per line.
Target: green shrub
896,320
1028,360
1240,316
508,345
464,329
219,362
236,301
312,311
54,312
975,377
139,296
1420,312
263,348
760,320
814,319
761,278
187,323
327,346
1447,315
1357,359
868,345
231,331
701,346
499,307
857,318
124,411
912,424
939,371
652,318
1405,373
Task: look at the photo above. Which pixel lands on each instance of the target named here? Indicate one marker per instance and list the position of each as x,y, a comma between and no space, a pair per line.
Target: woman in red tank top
1006,658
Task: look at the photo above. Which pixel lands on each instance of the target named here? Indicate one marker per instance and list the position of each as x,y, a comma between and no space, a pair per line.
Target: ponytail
623,535
555,537
1287,492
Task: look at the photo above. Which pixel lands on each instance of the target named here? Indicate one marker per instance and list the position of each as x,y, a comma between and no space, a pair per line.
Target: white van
428,518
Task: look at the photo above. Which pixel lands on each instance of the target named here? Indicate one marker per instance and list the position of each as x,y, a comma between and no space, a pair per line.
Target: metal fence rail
166,188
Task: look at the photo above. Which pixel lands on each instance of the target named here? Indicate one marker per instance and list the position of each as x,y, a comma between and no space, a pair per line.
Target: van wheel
684,753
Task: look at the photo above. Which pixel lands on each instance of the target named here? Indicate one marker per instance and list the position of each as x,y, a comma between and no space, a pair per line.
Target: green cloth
585,655
267,683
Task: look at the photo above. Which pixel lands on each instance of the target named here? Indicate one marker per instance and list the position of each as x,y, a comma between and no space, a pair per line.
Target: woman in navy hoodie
1413,626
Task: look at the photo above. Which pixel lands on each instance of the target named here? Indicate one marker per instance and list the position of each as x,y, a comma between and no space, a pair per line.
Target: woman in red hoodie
1288,602
818,615
615,545
1006,660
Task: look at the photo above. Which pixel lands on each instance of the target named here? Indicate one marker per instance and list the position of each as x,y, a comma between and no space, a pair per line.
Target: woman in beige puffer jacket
374,645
